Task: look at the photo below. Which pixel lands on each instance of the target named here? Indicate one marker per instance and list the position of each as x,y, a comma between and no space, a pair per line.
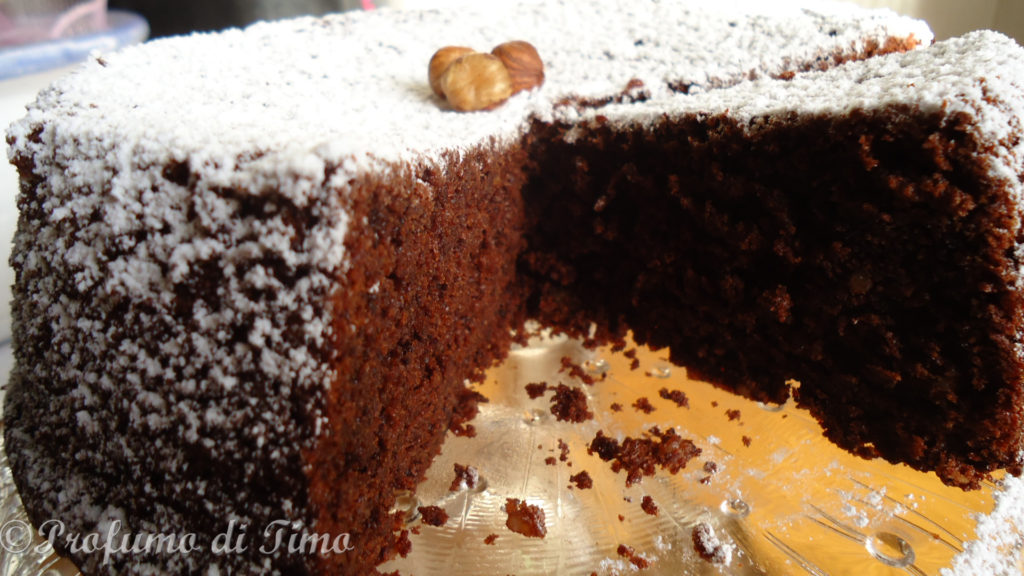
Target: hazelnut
524,64
440,62
476,82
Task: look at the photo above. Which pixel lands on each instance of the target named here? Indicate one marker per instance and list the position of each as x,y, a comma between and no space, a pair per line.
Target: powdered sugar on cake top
284,99
980,74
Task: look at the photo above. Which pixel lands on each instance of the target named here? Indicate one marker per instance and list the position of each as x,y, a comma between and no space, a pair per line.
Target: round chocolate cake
256,268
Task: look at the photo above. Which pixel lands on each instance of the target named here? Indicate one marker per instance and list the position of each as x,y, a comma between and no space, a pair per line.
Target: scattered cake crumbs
563,450
582,480
433,515
536,389
710,468
490,539
465,410
649,506
605,447
576,371
639,456
525,519
616,407
746,441
551,461
464,430
403,545
634,558
466,478
570,405
709,546
676,396
733,414
644,405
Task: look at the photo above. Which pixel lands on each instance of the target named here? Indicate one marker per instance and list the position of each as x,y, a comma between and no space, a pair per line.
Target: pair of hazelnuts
471,80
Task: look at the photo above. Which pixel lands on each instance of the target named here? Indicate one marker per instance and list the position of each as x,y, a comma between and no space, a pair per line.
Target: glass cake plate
779,498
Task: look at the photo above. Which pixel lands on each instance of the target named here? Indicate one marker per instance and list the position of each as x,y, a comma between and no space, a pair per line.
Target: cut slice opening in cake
265,309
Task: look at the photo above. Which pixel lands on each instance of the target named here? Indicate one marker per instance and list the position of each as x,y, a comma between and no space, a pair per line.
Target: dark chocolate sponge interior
868,258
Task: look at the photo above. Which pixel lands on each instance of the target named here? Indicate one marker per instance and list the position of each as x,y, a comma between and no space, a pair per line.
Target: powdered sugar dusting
283,100
981,74
995,551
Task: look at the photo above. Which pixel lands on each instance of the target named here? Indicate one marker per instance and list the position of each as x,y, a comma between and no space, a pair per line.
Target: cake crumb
550,461
635,364
709,546
563,451
634,558
714,404
710,468
576,371
746,441
403,545
616,407
676,396
570,405
733,414
466,478
622,518
644,405
639,456
525,519
433,515
489,540
536,389
606,448
649,506
466,410
582,480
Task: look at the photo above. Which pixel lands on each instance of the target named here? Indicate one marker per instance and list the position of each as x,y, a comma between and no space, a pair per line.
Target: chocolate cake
255,268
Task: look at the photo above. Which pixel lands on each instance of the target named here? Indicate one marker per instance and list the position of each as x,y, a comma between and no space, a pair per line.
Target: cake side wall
170,349
428,301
